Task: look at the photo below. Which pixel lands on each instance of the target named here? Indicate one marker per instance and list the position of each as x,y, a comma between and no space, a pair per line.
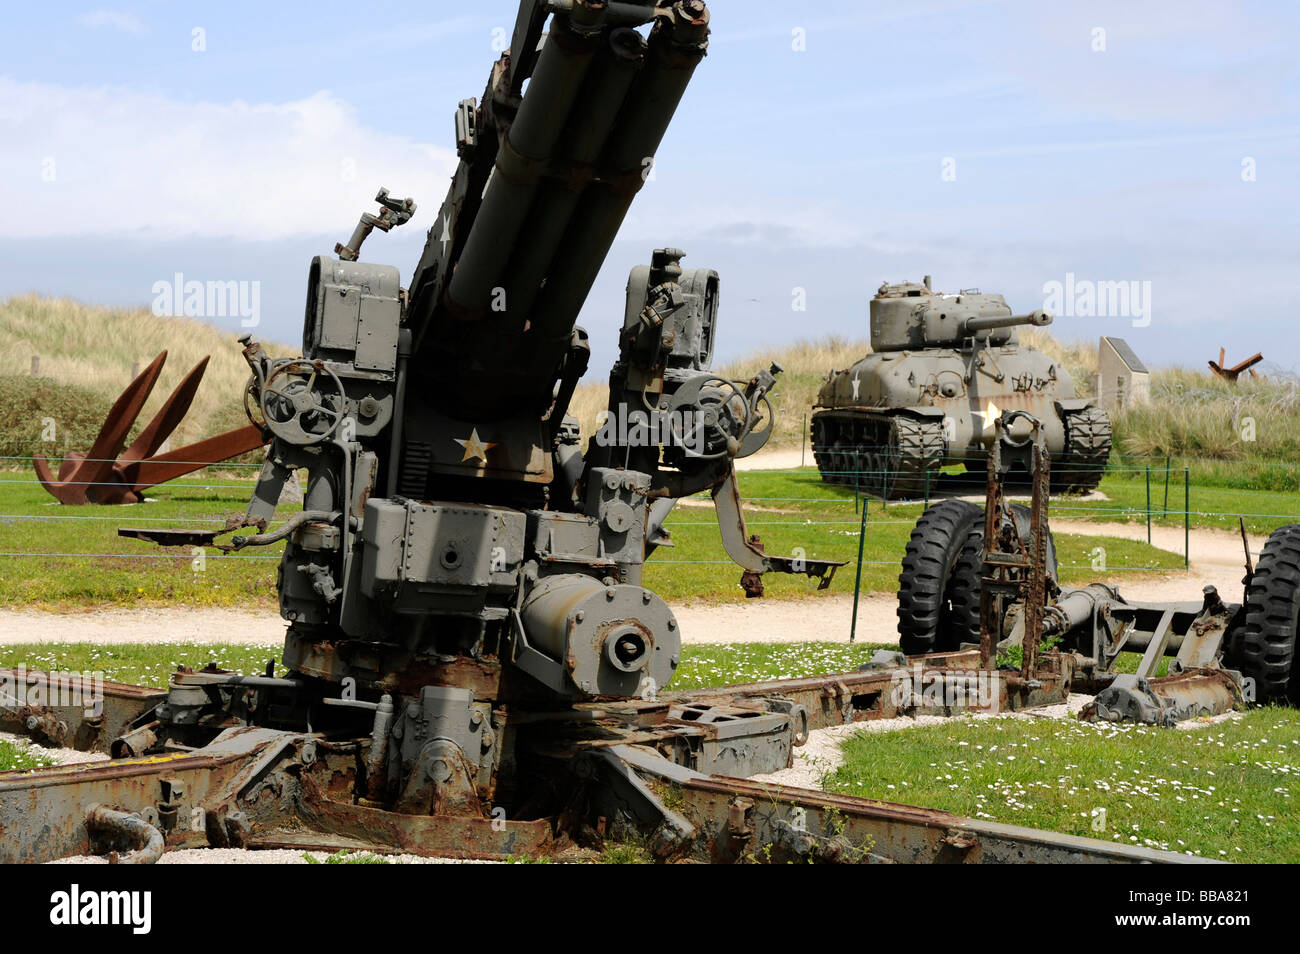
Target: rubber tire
932,551
962,620
962,624
1265,648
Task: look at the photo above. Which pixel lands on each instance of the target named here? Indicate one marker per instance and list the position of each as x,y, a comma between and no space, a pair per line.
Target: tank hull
895,417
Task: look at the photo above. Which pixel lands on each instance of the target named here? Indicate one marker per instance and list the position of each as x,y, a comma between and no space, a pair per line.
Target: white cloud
124,161
117,20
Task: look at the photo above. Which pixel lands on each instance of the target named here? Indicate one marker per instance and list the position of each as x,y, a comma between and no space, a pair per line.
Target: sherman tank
943,367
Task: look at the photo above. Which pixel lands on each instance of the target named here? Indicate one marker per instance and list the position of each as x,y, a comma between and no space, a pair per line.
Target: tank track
1087,449
879,454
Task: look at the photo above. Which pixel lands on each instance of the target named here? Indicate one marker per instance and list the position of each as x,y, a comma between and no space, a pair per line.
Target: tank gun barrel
973,326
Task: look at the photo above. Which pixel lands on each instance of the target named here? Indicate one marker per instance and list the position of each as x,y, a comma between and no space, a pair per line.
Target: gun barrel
626,164
601,101
564,174
992,322
522,158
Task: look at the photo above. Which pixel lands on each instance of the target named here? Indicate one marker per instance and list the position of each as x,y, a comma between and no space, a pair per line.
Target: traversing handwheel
302,401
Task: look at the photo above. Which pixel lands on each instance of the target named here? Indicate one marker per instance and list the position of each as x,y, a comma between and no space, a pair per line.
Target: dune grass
1192,415
95,349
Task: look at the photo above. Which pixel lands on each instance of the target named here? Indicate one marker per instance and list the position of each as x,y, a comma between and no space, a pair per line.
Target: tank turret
942,367
907,316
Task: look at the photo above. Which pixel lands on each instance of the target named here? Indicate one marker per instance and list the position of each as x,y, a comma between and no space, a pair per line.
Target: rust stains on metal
111,473
1231,374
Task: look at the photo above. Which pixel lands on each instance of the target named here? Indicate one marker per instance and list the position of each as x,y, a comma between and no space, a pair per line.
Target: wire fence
1162,485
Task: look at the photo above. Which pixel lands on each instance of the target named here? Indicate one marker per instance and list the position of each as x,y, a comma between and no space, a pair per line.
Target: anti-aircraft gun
457,558
474,667
942,368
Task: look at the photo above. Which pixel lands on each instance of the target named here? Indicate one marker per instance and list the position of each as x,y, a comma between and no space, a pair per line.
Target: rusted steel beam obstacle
112,473
1231,374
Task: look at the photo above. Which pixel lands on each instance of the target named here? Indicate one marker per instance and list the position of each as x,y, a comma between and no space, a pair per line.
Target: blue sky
126,156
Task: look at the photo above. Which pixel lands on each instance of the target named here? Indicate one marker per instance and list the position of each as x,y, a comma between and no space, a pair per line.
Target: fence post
1148,505
857,582
1165,509
36,365
1187,518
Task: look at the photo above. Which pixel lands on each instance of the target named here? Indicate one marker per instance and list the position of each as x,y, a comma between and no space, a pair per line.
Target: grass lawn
793,510
702,665
120,571
1224,791
83,562
21,757
140,664
1212,507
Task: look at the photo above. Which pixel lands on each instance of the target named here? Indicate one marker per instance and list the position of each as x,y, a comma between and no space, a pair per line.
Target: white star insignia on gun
475,447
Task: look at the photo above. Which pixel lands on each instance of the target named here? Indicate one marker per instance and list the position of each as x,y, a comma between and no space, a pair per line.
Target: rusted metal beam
75,711
258,788
111,473
1231,374
734,820
938,684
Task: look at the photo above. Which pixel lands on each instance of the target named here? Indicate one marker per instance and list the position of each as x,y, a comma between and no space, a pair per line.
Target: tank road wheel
936,542
1265,648
1087,448
915,448
840,463
873,472
823,436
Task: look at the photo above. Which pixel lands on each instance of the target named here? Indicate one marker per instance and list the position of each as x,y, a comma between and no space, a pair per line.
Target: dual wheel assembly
939,587
939,596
